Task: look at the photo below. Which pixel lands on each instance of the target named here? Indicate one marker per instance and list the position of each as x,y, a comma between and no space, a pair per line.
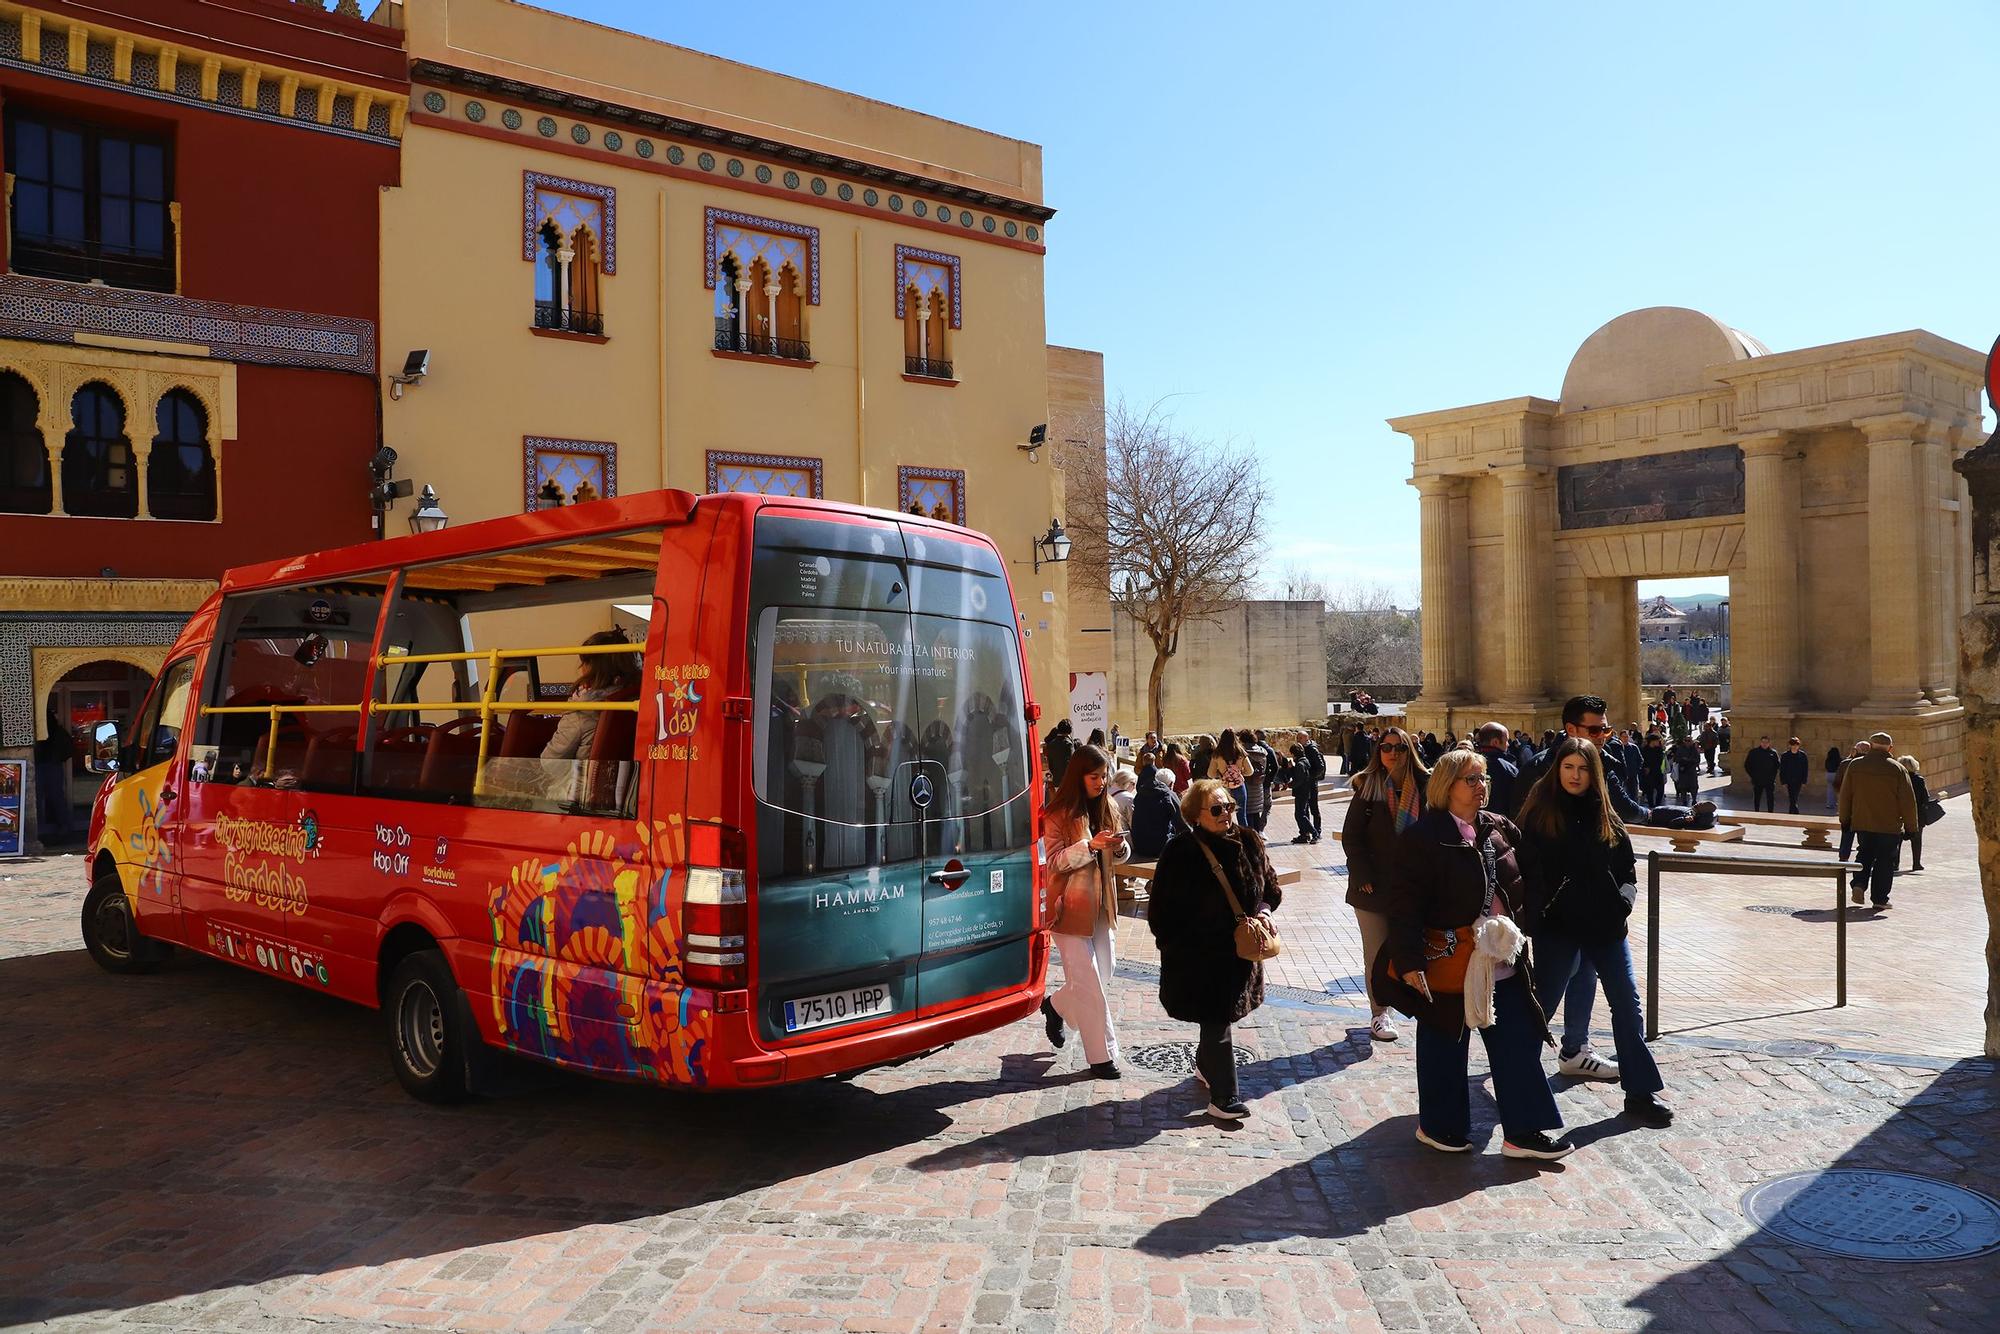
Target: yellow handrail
271,737
483,655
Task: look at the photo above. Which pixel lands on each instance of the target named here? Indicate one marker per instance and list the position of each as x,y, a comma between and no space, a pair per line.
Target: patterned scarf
1407,803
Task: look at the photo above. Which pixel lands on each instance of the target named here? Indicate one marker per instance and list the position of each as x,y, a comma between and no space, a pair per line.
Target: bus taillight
715,922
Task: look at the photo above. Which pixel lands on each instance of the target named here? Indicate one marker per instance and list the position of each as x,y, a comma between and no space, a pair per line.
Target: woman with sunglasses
1205,879
1082,839
1457,867
1388,798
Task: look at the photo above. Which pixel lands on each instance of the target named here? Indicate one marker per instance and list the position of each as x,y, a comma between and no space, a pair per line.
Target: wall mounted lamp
1052,548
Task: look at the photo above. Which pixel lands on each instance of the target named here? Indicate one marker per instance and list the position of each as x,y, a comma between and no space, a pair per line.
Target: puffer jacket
1576,882
1079,892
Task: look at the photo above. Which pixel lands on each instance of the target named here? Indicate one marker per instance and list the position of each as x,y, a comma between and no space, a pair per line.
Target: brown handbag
1256,939
1448,953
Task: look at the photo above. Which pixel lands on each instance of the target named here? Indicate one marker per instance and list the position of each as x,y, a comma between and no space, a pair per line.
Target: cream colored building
1819,481
1257,664
636,265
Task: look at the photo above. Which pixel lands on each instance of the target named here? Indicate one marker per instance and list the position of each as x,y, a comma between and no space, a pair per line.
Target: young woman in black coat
1193,918
1580,871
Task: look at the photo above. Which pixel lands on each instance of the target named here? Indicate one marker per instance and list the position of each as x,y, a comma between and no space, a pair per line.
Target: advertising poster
13,816
1089,702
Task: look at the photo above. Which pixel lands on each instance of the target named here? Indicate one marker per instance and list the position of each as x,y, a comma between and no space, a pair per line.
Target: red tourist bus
786,831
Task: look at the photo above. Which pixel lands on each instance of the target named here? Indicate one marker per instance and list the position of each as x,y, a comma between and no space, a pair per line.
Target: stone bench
1131,872
1818,828
1690,840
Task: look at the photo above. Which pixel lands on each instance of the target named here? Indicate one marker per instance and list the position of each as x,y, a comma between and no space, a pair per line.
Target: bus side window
156,738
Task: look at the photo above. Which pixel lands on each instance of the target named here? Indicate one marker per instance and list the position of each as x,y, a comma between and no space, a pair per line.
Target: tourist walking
1653,769
1505,789
1360,745
1582,882
1057,748
1201,753
1839,773
1207,881
1231,765
1722,744
1879,803
1833,758
1388,799
1710,739
53,754
1793,769
1456,960
1923,795
1686,759
1304,781
1081,842
1156,813
1262,778
1761,765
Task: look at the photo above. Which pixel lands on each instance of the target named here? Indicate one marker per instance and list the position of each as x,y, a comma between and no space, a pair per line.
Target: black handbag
1930,812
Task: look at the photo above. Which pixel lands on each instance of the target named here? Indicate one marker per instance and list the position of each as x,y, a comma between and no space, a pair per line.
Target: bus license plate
835,1007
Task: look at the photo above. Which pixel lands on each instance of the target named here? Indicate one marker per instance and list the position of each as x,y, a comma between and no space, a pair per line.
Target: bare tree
1179,529
1371,644
1298,584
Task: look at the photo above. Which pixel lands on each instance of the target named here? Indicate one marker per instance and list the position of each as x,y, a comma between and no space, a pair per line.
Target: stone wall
1258,664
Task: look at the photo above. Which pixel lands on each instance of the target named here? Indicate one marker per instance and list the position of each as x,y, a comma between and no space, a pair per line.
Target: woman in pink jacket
1082,839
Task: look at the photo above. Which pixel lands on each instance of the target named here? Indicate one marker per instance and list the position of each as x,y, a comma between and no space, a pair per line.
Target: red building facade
189,286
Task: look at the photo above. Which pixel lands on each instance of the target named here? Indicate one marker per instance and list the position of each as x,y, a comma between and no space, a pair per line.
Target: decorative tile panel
569,204
20,637
571,464
766,474
929,270
748,237
49,311
936,493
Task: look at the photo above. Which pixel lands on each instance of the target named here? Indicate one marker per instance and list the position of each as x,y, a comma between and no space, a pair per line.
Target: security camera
384,460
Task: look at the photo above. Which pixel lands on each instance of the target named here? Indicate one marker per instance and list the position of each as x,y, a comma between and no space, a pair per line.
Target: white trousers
1083,1000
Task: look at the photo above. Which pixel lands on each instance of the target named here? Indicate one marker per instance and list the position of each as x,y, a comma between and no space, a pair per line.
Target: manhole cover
1777,909
1174,1058
1353,985
1800,1047
1867,1215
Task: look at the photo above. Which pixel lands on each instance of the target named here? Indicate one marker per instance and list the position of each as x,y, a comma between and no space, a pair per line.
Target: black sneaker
1233,1110
1441,1144
1537,1144
1053,1022
1107,1070
1648,1110
1301,839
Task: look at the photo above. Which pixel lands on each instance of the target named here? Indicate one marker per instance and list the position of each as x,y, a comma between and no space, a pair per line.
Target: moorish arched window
180,472
24,459
98,478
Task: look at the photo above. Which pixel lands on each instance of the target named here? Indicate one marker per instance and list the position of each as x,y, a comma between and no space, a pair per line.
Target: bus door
978,835
842,786
149,860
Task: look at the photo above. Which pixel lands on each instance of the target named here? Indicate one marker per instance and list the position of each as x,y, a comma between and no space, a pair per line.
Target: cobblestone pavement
205,1149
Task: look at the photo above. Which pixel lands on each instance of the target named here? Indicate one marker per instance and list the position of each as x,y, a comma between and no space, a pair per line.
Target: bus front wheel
431,1036
110,934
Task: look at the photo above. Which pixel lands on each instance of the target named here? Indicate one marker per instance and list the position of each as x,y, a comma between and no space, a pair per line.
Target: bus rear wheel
431,1035
110,934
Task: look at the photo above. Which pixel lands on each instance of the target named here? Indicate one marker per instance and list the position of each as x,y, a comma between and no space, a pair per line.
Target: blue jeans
1513,1049
1557,960
1241,796
1577,1002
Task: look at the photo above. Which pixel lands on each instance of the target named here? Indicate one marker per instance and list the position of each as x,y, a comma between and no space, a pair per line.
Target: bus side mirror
103,758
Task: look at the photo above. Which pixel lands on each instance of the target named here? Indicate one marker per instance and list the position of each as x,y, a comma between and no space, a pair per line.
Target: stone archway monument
1820,482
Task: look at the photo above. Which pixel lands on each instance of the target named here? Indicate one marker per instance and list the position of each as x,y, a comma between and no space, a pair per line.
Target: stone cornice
54,594
1912,342
1894,426
1506,409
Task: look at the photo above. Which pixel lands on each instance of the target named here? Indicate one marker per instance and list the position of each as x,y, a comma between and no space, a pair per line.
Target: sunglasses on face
1222,808
1392,747
1597,730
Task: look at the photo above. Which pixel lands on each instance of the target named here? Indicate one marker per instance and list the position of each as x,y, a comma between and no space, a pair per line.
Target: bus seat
450,758
398,758
527,734
329,760
609,760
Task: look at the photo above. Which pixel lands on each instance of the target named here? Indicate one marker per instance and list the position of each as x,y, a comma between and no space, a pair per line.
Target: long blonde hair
1542,813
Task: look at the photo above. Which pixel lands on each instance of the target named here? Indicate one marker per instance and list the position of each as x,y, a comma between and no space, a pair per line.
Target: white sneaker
1382,1030
1587,1064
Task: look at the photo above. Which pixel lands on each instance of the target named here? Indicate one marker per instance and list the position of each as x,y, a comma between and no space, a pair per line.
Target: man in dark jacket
1762,765
1057,749
1305,794
1879,803
1503,788
1156,814
1360,746
1794,766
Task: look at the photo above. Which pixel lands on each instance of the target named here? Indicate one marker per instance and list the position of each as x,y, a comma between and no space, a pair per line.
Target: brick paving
205,1149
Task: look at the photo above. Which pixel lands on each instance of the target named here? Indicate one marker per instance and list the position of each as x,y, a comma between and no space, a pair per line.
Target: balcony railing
90,262
730,339
549,315
930,367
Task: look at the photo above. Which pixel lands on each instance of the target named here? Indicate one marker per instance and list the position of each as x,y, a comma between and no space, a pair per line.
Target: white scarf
1496,940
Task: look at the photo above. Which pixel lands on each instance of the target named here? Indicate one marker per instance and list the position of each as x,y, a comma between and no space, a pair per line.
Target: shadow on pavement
200,1128
1950,1132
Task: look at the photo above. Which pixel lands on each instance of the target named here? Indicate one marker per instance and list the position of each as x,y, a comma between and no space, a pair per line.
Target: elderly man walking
1878,802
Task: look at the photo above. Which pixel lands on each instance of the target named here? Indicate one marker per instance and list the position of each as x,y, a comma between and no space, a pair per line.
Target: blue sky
1302,219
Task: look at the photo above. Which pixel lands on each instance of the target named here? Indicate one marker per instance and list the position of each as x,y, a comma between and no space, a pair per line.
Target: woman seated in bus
545,778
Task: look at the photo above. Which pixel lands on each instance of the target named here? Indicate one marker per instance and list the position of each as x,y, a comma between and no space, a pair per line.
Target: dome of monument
1659,352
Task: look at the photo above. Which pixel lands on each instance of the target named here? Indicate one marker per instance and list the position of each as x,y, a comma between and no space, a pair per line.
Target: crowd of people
1491,878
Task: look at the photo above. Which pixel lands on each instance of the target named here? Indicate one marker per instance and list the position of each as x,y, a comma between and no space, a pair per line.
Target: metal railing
486,705
929,367
761,345
549,315
1708,864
